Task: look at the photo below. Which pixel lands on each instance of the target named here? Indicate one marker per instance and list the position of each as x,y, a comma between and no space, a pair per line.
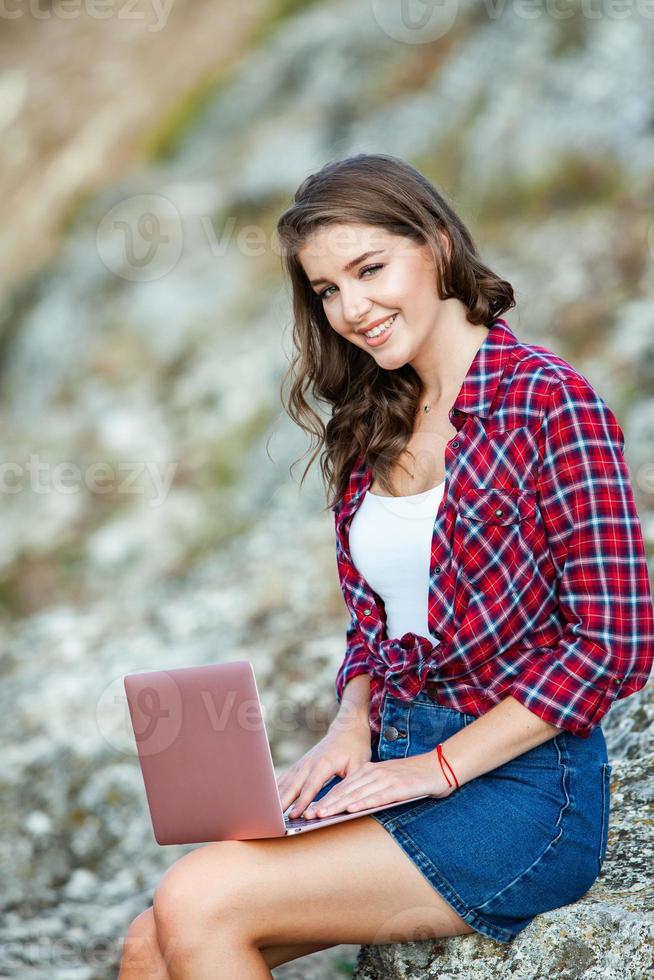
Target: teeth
376,331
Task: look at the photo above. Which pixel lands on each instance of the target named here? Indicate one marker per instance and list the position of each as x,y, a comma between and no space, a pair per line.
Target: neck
446,356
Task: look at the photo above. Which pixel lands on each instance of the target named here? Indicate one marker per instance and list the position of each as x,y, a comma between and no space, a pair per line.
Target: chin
393,362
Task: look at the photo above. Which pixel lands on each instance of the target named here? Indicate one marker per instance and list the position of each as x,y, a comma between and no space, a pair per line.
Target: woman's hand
341,752
379,783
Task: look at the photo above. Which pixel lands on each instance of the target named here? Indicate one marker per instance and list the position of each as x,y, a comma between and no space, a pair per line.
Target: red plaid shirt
538,581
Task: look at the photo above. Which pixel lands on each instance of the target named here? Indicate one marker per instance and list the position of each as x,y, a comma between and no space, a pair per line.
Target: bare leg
225,903
230,958
278,955
142,959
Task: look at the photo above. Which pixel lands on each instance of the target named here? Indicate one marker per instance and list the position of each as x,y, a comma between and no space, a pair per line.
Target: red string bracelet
442,759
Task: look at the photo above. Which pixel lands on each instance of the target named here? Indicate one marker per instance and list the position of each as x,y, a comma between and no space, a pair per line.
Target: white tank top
390,544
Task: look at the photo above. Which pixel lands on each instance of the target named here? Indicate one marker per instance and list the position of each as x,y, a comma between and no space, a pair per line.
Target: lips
384,336
376,323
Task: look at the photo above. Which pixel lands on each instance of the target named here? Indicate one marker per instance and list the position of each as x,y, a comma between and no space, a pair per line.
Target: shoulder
565,407
542,383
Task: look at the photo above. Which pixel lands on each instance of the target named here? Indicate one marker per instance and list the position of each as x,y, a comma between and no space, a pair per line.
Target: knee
196,895
142,927
140,938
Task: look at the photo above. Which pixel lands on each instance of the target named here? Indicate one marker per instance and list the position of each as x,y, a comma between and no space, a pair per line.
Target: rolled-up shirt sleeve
606,649
355,660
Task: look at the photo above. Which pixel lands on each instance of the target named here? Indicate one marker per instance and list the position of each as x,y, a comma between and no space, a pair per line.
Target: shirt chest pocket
495,538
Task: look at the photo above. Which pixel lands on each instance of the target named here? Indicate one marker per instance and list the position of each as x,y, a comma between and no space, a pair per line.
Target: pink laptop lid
204,754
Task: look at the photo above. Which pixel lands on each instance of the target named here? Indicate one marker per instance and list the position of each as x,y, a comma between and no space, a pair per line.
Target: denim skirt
524,838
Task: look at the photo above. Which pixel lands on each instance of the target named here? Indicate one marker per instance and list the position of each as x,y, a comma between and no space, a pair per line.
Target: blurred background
150,518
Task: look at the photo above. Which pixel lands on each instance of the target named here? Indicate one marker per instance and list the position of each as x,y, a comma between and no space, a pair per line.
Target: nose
355,306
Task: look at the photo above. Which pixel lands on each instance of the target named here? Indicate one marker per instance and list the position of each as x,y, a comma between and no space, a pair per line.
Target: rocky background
150,518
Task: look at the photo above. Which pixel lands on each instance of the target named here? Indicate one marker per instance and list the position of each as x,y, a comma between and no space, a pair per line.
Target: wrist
447,779
351,718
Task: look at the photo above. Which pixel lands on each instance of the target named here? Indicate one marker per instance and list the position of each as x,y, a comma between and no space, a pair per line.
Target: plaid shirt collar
475,397
485,373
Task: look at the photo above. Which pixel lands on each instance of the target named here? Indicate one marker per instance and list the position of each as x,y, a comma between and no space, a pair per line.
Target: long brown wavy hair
372,411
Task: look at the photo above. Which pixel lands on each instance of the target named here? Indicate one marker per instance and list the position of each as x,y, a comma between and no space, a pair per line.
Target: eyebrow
350,265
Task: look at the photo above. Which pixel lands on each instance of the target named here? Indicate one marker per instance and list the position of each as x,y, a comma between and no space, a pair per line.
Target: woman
492,562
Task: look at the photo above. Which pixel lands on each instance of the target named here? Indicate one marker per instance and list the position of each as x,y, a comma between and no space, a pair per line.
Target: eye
367,268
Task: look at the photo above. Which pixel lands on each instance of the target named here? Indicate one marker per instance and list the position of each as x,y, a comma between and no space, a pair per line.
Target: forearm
354,708
501,734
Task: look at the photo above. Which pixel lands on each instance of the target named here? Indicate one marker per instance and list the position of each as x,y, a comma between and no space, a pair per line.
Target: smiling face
364,274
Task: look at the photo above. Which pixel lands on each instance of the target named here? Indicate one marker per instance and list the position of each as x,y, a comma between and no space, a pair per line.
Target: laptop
206,760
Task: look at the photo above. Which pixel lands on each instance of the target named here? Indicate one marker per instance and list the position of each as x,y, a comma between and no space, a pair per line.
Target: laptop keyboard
301,821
